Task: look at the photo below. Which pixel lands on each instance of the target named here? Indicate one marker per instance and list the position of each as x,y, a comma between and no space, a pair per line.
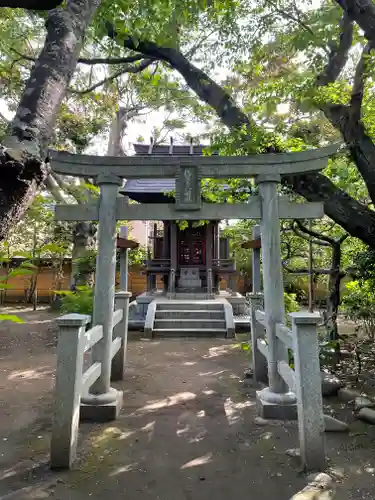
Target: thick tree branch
316,241
327,239
208,90
110,60
54,188
363,13
90,61
339,53
351,215
128,69
346,119
359,84
31,4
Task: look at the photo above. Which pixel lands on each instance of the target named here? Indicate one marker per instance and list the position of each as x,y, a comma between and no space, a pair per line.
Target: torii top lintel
154,167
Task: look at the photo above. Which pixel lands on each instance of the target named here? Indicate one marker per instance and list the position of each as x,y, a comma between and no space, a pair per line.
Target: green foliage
79,301
291,304
359,305
85,265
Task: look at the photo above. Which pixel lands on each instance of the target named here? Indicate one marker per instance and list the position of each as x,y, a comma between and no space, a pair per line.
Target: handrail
93,336
260,317
285,335
172,281
209,282
117,316
74,379
303,377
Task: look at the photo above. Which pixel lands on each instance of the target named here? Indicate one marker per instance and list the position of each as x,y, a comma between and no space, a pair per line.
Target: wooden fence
46,285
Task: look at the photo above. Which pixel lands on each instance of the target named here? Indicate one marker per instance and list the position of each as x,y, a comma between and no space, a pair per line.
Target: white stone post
259,362
105,401
121,330
68,386
309,389
124,261
276,401
255,268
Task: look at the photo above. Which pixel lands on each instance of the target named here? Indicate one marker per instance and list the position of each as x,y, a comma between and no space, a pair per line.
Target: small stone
346,394
260,421
334,425
320,479
363,402
293,452
320,488
367,415
330,384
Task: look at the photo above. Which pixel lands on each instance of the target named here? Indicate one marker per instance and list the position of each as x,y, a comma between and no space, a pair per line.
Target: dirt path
187,429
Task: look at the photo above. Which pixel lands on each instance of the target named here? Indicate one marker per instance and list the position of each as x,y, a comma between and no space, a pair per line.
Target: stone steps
189,332
186,313
190,323
189,318
184,305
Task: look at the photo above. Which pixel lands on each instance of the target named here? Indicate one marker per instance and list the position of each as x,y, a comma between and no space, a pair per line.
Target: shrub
291,304
359,305
79,301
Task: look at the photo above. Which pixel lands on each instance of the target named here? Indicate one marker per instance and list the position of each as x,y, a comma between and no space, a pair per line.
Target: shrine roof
154,190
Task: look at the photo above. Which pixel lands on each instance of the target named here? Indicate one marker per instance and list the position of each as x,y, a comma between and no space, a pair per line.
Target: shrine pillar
275,401
103,399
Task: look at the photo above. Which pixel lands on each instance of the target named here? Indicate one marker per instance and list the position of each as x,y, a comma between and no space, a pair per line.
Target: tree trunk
83,241
22,162
334,292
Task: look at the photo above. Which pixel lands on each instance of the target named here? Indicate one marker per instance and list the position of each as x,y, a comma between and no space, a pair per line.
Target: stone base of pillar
97,408
273,406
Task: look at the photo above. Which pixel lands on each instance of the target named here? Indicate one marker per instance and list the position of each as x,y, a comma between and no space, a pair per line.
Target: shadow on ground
187,431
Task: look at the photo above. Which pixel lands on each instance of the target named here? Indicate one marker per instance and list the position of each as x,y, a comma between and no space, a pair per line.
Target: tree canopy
273,75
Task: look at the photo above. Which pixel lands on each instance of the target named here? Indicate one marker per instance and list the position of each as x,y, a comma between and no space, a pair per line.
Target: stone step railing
304,379
210,293
75,376
172,283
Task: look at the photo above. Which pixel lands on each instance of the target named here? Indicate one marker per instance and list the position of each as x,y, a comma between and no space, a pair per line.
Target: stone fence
75,376
304,380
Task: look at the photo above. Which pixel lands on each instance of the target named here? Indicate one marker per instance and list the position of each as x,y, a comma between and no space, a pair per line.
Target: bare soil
187,429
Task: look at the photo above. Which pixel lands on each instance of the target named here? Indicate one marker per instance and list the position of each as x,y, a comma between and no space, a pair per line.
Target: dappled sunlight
266,435
124,468
216,351
175,354
191,426
204,459
234,411
110,433
208,392
212,374
189,363
176,399
38,373
149,429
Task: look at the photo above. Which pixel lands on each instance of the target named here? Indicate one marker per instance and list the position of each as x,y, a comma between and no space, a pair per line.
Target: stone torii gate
268,206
